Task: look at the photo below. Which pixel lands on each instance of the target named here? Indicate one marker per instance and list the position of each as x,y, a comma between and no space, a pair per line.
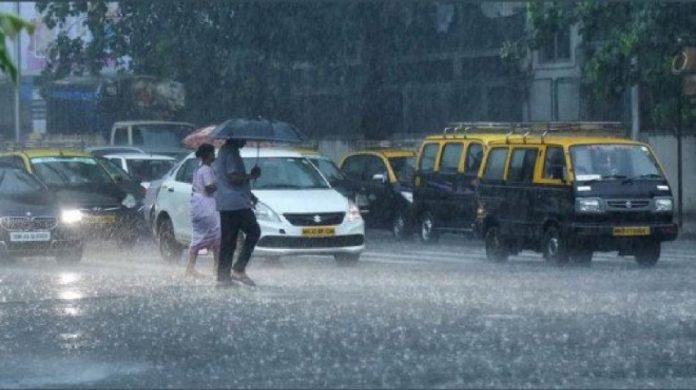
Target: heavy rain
347,194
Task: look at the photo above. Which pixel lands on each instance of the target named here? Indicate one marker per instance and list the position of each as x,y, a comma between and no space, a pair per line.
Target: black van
568,197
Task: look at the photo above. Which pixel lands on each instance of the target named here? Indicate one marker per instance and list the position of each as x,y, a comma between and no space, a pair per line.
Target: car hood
303,201
38,204
102,197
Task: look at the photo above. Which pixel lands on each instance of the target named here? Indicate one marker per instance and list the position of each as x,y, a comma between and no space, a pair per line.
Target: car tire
496,250
70,256
399,227
169,249
648,254
428,234
347,258
554,247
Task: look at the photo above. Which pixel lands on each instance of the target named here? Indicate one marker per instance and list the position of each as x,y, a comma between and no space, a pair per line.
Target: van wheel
428,234
648,255
400,228
554,247
169,249
496,250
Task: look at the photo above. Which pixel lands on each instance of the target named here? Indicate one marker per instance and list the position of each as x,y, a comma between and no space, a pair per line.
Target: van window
554,163
138,138
495,167
121,136
522,163
474,156
374,166
427,160
451,154
353,167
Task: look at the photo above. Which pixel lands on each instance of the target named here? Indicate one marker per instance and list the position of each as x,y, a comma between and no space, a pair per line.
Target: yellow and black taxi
106,209
33,222
444,196
386,176
569,196
348,187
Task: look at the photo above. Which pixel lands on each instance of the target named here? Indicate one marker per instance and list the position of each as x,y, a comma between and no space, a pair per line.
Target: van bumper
605,234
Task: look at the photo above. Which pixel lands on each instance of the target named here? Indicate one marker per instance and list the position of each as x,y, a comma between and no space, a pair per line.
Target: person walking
235,202
204,216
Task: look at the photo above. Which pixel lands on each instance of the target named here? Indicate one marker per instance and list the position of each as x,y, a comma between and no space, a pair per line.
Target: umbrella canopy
199,137
257,130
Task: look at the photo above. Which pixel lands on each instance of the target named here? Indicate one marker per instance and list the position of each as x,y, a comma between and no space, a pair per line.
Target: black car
111,209
385,176
32,222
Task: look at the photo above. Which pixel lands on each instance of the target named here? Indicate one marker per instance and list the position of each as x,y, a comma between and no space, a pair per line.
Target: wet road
407,316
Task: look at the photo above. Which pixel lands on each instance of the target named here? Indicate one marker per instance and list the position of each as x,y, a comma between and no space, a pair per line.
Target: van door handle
170,189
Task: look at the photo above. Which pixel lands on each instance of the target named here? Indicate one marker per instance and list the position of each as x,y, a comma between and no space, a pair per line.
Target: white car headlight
353,213
265,213
664,204
408,195
70,216
588,205
129,201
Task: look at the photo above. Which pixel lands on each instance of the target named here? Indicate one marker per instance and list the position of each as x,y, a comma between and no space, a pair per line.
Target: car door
378,188
175,197
446,205
425,188
466,198
519,190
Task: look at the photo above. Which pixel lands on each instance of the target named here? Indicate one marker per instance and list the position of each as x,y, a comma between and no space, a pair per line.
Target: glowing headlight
353,212
664,204
129,201
588,205
408,196
265,213
71,216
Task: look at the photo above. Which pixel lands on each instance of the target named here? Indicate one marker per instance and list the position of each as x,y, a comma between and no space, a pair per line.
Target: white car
144,167
298,211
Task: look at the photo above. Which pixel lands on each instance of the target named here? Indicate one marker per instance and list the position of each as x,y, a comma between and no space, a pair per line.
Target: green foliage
10,26
626,43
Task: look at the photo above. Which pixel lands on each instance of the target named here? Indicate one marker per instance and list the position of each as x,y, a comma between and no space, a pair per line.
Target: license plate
323,231
632,231
102,219
30,236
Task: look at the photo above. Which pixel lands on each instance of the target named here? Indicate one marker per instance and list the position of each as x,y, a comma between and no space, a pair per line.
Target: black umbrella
257,130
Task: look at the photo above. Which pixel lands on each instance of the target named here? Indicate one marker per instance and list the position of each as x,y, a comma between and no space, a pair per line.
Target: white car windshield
70,171
148,170
286,173
614,161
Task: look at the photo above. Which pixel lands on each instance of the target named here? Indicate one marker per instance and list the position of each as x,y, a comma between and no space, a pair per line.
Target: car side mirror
380,177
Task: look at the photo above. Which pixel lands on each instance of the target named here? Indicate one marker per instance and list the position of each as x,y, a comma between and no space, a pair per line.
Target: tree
625,43
10,26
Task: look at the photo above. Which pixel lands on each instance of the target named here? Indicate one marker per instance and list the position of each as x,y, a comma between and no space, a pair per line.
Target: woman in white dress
204,216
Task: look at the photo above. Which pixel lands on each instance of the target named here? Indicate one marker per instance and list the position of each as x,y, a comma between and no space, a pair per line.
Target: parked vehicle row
565,196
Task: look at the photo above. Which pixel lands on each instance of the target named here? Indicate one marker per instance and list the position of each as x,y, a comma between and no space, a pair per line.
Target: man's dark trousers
231,222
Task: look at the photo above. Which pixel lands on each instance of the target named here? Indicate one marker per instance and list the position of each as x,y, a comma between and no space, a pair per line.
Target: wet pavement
407,315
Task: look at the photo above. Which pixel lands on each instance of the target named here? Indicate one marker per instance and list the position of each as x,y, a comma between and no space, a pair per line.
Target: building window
557,48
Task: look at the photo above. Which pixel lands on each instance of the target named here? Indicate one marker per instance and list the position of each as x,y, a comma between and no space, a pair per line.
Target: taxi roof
386,152
482,137
563,140
47,152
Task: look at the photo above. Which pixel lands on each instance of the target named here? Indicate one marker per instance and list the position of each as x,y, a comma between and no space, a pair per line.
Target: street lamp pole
18,57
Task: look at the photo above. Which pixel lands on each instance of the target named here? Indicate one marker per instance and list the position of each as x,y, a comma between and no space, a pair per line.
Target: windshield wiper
643,176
